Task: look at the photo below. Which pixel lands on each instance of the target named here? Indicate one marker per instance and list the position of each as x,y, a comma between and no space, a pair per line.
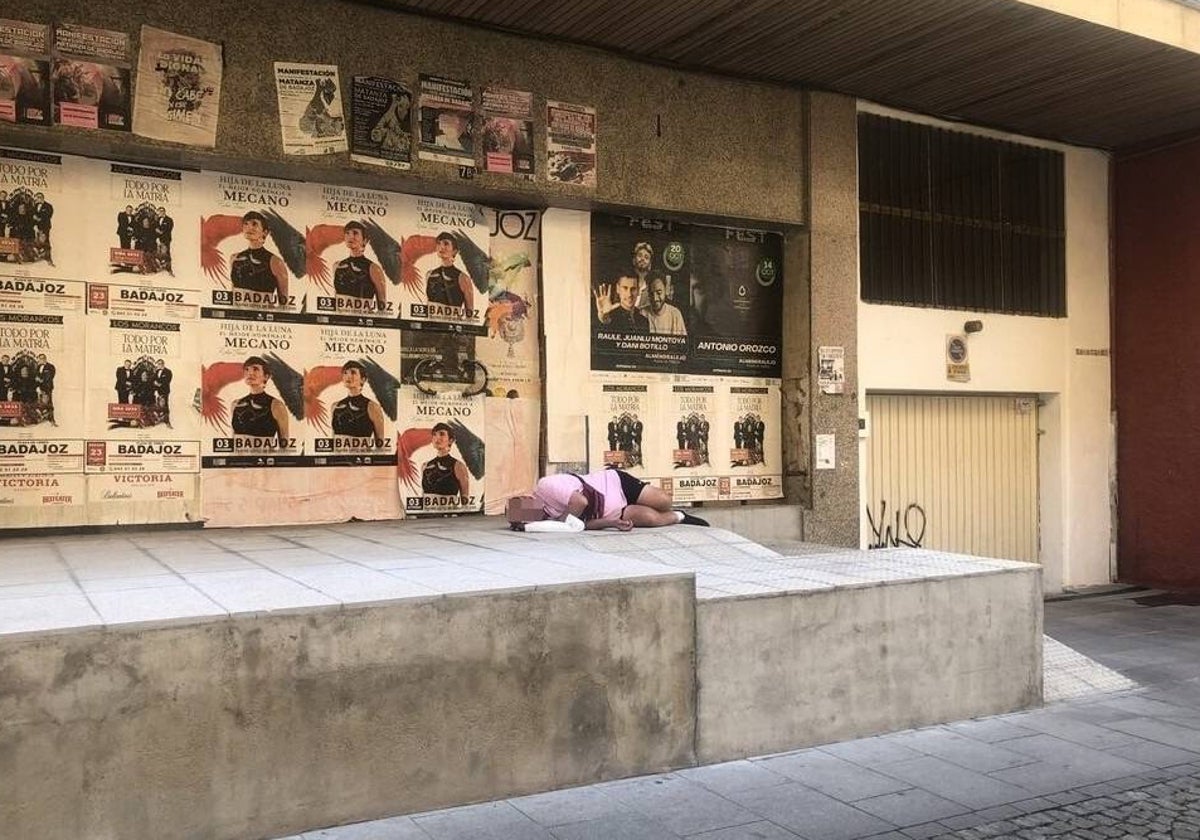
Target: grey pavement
1118,758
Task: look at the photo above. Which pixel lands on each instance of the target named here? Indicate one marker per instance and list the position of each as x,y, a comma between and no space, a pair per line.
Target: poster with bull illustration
91,78
310,108
253,254
25,72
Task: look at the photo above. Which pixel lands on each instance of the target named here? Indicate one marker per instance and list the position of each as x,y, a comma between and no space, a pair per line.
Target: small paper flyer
381,122
447,121
91,78
24,72
571,144
831,370
508,131
310,108
178,88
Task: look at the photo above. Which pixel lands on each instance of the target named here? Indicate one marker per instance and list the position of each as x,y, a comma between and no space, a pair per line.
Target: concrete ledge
790,670
266,725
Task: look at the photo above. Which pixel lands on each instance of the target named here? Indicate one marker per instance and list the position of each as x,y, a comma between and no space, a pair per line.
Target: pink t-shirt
555,491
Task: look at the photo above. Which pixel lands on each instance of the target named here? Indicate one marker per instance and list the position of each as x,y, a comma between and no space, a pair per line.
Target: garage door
954,473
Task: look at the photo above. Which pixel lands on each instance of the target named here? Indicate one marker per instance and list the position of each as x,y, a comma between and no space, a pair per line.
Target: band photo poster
37,211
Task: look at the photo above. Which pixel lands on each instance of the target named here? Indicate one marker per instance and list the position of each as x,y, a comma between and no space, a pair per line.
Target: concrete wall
667,140
902,348
781,672
266,725
1157,319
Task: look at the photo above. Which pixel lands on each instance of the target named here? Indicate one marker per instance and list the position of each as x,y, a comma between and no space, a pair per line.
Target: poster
178,88
352,393
677,298
40,294
510,350
440,453
449,355
37,476
135,230
445,267
35,215
354,251
507,131
91,79
252,395
571,144
624,432
310,108
41,375
252,244
447,120
692,418
831,370
752,440
381,122
24,72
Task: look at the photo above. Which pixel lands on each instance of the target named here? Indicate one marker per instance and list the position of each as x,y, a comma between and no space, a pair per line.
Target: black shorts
630,486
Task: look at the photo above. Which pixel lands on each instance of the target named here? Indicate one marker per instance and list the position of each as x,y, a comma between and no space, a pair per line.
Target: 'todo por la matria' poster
39,214
623,422
690,416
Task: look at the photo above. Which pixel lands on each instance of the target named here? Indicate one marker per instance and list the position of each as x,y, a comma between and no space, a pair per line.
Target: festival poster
252,395
691,411
252,241
41,376
37,215
352,392
354,251
622,424
24,72
507,131
42,482
136,229
571,144
440,453
751,439
445,267
310,108
446,121
510,350
143,363
178,88
381,122
91,78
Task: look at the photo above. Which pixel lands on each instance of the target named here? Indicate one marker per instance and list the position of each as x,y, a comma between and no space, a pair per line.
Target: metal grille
959,221
954,473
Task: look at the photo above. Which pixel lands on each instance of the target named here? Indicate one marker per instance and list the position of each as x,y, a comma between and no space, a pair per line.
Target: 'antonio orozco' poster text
252,396
252,241
677,298
446,125
445,267
90,79
352,393
623,423
510,349
178,88
310,108
381,122
354,251
25,64
440,454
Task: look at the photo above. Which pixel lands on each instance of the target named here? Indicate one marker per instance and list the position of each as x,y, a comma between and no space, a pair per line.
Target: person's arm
380,288
280,272
281,419
467,289
464,482
376,415
578,503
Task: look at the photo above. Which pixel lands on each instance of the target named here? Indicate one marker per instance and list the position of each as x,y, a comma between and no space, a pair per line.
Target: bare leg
653,497
647,517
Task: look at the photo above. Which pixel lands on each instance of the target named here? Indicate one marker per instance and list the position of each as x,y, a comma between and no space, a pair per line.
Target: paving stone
833,776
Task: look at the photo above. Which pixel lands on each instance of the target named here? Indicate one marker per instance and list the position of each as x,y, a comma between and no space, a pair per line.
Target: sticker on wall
91,78
25,69
440,454
571,144
310,108
178,88
831,370
958,363
381,122
507,131
446,125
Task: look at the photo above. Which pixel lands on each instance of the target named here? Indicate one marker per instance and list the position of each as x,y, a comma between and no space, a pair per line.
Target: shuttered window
959,221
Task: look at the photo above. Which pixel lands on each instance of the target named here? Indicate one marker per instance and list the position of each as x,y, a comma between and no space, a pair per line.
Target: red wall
1156,350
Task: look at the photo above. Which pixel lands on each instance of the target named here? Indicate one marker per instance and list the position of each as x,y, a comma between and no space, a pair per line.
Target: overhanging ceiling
997,63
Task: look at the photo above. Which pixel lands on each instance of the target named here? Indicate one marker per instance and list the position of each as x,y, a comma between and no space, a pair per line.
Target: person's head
41,358
355,235
254,228
160,364
256,371
144,376
352,377
162,211
699,296
39,198
128,363
443,437
643,256
627,292
656,287
129,209
447,247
